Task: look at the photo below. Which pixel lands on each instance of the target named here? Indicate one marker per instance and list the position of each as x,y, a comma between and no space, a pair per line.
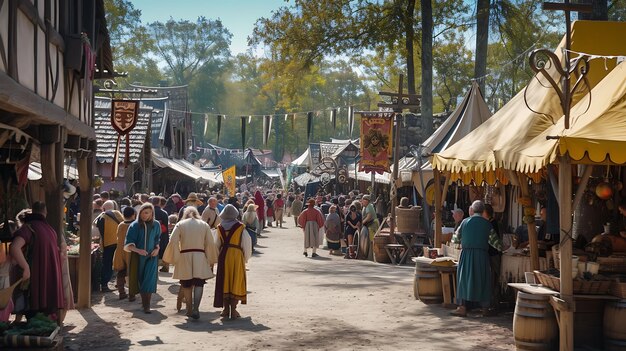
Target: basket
581,287
408,220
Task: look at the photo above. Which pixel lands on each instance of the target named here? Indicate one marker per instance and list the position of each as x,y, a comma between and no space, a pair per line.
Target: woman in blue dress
142,241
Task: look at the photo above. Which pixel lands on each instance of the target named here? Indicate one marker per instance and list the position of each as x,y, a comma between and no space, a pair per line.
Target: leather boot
119,283
197,297
145,302
188,300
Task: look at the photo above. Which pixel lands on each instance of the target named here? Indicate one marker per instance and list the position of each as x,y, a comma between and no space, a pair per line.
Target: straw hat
193,197
6,294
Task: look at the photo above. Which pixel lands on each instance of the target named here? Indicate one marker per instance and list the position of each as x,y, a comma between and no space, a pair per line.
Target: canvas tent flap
35,173
514,125
271,173
185,168
597,135
304,160
471,112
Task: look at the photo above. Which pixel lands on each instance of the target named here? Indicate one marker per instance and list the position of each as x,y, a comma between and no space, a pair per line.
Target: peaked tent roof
304,160
597,135
470,113
514,125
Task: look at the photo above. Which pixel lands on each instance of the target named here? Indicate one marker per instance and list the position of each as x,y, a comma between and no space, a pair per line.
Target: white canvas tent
304,160
470,113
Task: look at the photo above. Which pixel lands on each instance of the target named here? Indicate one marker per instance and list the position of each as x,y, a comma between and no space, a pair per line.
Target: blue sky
238,16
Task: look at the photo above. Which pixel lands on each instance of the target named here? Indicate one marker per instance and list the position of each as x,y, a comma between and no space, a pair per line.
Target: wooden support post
532,229
437,180
85,176
566,335
52,141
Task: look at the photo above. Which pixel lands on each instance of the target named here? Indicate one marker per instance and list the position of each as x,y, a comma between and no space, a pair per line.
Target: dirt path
294,303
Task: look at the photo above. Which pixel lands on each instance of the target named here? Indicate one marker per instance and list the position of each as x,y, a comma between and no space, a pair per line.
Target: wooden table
409,241
448,277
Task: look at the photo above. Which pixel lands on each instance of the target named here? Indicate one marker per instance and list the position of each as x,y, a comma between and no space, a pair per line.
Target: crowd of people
207,236
203,235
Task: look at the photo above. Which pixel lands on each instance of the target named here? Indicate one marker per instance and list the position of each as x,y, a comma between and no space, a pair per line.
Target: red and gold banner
376,143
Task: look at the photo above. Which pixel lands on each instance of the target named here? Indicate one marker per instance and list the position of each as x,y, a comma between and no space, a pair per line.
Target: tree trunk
600,10
410,37
482,41
427,68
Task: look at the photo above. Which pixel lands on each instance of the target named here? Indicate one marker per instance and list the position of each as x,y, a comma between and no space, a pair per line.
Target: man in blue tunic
475,234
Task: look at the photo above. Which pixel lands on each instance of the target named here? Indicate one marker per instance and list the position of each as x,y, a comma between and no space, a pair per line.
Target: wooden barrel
534,323
427,284
362,241
380,255
615,325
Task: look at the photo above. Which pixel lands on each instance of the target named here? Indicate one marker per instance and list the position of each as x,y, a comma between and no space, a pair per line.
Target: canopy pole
530,222
437,176
566,316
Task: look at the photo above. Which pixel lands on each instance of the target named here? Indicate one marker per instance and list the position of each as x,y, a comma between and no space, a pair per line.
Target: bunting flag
309,125
206,125
267,127
333,118
376,128
219,127
230,183
243,132
350,120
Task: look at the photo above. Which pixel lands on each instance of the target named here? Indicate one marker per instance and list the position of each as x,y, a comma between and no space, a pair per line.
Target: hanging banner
376,128
219,127
123,119
309,125
243,132
267,127
206,126
229,181
350,120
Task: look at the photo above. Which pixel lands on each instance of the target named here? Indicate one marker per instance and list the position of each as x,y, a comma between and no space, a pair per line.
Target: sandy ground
294,303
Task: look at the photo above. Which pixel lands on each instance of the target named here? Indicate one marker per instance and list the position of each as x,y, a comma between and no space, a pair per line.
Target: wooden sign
124,114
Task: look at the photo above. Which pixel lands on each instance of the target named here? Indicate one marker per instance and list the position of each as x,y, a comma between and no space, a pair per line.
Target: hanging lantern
604,190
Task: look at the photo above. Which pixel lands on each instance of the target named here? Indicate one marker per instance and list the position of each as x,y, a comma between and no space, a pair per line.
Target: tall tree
427,67
482,40
187,46
130,40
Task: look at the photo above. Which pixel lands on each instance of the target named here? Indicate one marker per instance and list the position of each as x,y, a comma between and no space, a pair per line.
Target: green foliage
130,40
186,47
454,66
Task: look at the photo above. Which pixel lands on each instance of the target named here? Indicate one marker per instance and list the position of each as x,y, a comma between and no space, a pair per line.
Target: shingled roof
106,136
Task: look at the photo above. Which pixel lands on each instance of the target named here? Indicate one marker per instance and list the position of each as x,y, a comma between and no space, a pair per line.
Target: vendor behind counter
545,232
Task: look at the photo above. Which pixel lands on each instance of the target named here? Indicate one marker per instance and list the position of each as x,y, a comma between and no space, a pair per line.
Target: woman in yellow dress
235,248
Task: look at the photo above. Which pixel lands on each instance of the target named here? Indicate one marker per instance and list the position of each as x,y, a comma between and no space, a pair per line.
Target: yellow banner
229,181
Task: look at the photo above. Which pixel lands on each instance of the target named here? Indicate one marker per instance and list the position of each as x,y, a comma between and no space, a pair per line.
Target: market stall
516,127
